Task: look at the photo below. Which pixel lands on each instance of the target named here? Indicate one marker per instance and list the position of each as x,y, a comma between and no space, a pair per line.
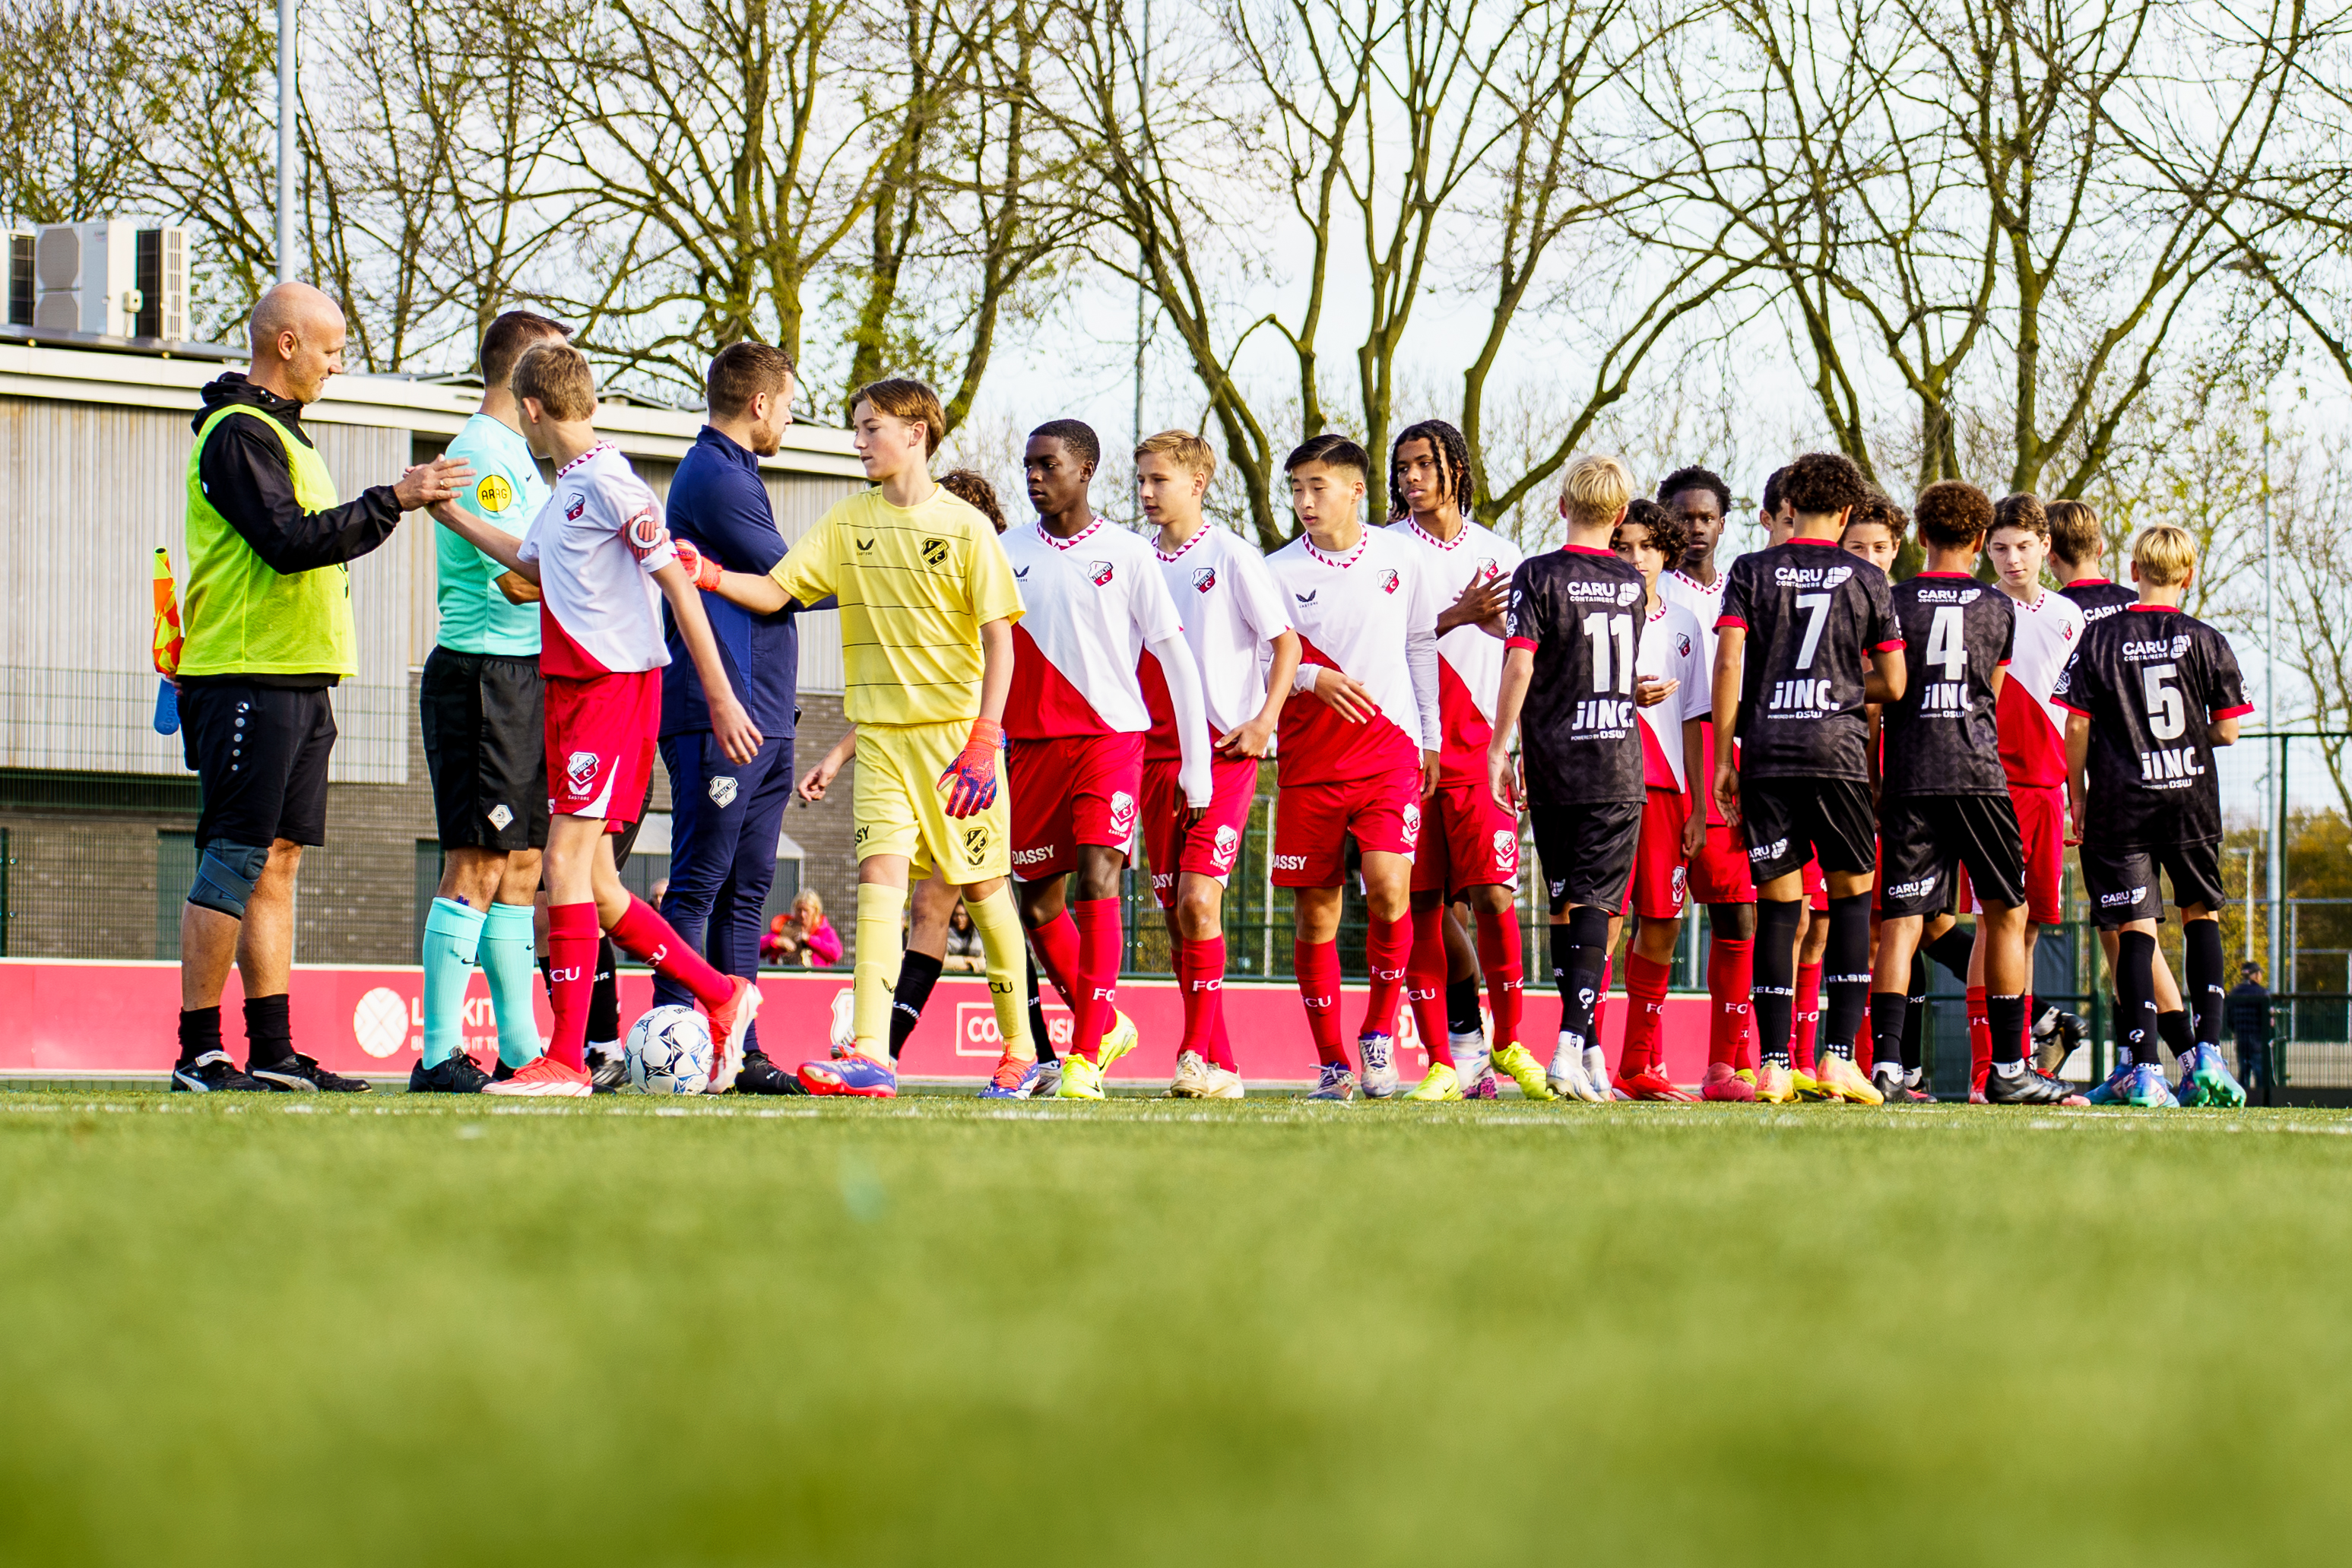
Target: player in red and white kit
1469,847
1246,652
605,566
1359,761
1095,600
1718,875
1673,657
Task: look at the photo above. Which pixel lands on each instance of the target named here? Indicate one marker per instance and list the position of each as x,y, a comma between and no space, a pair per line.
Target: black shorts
485,721
1789,821
1925,836
1587,852
260,755
2122,888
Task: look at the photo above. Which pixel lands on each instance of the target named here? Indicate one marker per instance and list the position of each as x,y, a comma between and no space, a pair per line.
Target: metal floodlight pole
1142,294
2277,867
287,141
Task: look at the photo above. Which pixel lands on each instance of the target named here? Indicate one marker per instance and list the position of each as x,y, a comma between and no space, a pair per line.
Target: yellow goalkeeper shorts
901,808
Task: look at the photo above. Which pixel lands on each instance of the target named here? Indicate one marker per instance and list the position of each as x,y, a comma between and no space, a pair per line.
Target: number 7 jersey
1811,611
2153,682
1580,611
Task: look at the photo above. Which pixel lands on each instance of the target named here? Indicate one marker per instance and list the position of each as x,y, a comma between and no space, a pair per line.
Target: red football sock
1646,994
1979,1039
1809,1015
1318,967
1388,948
1221,1044
1055,942
643,933
1425,982
1863,1055
1098,943
1500,957
572,935
1730,971
1201,972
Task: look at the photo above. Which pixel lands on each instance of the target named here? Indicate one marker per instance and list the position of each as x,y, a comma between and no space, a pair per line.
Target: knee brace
226,874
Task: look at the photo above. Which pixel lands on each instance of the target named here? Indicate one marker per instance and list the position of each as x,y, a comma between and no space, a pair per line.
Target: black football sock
1951,950
2115,1012
2174,1030
1462,1016
1579,951
2005,1016
2136,1019
269,1032
546,975
2203,940
605,1001
1845,973
1914,1019
199,1033
1774,990
1890,1011
1045,1042
917,973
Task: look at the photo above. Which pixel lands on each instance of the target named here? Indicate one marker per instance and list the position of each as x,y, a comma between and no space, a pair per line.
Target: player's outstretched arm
1886,679
1731,645
497,543
1519,671
819,779
2078,766
755,592
730,725
1256,734
1481,603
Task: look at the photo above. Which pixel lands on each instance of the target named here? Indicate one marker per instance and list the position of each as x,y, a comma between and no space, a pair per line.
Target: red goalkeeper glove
699,568
971,779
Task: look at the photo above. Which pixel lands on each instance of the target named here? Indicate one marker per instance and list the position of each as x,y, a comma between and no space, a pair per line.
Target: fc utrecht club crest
1507,849
1122,812
582,770
1682,644
722,791
1388,582
1098,573
1204,579
1412,815
1228,844
578,505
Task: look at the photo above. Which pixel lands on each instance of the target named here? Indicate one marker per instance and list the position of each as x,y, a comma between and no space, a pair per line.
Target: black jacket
245,476
2250,1012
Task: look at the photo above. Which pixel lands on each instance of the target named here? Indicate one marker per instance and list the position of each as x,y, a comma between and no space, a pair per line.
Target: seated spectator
963,954
804,938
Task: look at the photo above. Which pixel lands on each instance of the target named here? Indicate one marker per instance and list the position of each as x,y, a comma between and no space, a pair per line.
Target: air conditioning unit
17,273
113,277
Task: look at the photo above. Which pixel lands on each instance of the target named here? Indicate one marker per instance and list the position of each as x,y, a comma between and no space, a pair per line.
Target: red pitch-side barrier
86,1019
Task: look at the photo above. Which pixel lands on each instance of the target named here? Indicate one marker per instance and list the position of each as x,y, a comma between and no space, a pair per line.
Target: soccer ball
669,1052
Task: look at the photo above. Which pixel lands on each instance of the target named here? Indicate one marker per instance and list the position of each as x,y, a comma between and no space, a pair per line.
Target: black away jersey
1581,610
2153,681
1944,737
2099,597
1811,611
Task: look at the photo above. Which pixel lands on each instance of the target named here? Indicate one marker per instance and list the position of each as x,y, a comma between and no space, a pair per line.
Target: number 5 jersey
2153,681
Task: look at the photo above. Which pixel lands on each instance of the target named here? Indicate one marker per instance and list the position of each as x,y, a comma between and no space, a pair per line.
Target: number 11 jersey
1811,611
2153,681
1580,610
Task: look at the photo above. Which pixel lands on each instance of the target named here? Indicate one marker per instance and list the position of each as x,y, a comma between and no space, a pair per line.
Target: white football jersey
2033,728
1372,614
1232,611
1672,648
1705,602
1469,660
1092,602
598,541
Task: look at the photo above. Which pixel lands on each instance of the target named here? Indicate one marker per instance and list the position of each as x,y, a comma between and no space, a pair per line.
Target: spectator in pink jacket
803,937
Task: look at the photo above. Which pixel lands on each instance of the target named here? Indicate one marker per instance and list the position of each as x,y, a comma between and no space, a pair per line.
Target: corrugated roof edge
146,372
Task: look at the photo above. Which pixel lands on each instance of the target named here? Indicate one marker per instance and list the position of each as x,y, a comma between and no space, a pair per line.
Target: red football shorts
1661,884
1071,790
1817,887
1467,841
601,738
1209,846
1718,872
1311,821
2042,823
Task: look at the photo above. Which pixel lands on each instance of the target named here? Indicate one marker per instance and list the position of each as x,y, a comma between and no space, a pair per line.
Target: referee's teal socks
452,933
510,962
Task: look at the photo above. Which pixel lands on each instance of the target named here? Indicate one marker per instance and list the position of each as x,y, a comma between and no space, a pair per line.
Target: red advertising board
70,1018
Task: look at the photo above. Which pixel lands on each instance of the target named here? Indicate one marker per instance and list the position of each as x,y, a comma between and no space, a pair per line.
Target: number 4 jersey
1943,737
1579,611
1811,611
2153,681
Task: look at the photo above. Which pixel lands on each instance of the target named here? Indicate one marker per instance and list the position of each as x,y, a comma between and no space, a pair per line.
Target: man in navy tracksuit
724,818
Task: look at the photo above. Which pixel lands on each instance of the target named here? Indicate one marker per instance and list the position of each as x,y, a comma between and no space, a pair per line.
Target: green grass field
278,1330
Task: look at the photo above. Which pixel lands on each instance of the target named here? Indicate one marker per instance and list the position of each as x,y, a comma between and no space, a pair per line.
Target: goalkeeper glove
971,779
699,568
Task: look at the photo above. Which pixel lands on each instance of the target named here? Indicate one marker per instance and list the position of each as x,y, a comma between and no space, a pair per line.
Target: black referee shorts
260,755
484,718
1924,837
1587,852
2123,888
1789,821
